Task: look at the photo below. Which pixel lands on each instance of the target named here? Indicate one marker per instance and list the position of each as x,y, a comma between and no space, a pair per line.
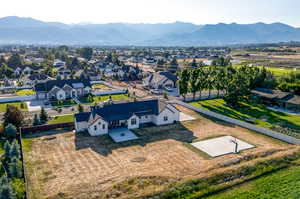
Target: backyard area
20,105
62,119
72,165
257,114
100,87
99,99
62,103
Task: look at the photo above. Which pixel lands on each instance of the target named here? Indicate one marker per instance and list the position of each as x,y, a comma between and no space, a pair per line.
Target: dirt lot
63,164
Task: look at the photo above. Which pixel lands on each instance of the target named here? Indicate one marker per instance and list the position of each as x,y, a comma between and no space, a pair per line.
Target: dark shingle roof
169,75
126,110
81,117
47,86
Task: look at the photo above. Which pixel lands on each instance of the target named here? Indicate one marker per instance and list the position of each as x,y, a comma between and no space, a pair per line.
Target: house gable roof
124,111
47,86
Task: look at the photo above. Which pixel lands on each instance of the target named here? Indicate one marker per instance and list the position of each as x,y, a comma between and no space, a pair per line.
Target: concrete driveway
36,105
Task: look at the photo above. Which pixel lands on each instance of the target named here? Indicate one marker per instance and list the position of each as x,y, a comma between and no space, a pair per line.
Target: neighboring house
63,73
63,89
278,98
58,63
129,115
35,78
160,80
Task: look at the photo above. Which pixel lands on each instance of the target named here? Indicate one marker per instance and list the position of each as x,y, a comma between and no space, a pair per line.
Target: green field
277,71
17,104
283,184
98,99
62,119
25,92
262,116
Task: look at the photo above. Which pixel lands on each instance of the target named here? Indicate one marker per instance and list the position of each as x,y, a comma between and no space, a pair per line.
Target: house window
146,116
165,118
103,126
95,127
133,121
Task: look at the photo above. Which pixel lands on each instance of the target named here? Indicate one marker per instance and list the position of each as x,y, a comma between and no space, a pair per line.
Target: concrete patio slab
122,135
221,146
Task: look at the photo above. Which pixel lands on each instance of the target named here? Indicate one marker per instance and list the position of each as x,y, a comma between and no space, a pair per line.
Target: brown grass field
62,164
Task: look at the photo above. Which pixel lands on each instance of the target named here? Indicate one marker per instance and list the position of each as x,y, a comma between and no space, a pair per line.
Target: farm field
62,119
20,105
282,184
98,99
63,164
263,117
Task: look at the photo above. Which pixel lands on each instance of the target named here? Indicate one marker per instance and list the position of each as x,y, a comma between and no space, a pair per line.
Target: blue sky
156,11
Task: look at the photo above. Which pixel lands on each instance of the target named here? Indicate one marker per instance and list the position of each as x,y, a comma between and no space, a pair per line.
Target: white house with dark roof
130,115
160,80
63,89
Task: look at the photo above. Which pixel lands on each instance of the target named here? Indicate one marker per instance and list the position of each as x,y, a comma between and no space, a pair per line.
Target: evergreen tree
15,168
10,131
36,120
14,150
43,116
6,192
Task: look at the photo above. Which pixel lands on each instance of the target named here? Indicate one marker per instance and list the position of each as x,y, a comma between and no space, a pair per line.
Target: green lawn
25,92
98,99
62,103
283,184
17,104
62,119
262,116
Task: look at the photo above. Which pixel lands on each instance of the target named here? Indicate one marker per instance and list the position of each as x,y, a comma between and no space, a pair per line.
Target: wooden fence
46,127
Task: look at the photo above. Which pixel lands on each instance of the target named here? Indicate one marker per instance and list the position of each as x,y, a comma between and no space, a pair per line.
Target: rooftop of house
47,86
157,77
123,111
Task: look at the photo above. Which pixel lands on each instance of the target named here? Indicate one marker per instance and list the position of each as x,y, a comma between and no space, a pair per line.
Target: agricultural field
20,105
25,92
62,119
63,164
262,116
281,184
99,99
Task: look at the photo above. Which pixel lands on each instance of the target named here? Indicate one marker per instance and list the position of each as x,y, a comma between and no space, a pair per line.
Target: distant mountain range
17,30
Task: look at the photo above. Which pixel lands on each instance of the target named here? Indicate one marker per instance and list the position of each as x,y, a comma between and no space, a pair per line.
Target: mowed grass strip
263,116
20,105
282,184
25,92
59,119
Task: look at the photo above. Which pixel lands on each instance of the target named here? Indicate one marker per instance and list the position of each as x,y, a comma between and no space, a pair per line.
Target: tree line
236,82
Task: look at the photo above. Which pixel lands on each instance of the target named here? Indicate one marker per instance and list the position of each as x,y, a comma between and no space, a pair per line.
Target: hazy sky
155,11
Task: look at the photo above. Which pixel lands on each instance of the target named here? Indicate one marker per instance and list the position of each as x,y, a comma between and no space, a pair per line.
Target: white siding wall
130,126
80,126
171,115
146,119
99,128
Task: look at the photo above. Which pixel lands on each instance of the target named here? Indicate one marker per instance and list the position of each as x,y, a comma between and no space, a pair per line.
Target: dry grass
68,165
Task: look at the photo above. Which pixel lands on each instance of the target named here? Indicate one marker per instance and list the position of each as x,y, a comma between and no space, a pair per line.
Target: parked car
169,89
156,91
